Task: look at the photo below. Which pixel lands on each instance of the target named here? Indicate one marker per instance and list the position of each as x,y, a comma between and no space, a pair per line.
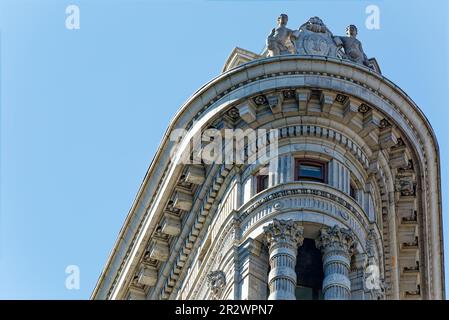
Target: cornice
228,88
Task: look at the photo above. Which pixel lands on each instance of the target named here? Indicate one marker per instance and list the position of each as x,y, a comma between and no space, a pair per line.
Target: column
337,245
339,176
284,237
252,271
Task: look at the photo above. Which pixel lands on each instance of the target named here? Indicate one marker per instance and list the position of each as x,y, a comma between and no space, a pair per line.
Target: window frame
259,182
315,163
353,191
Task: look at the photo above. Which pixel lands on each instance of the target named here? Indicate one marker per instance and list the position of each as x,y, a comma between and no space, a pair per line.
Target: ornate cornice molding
222,92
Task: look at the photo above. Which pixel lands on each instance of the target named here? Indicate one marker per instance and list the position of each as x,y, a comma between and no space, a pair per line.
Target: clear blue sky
83,111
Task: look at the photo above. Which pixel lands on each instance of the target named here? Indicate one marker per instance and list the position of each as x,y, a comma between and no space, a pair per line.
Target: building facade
345,204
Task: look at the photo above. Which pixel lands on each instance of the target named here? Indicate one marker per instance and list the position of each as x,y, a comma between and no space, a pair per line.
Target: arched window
309,272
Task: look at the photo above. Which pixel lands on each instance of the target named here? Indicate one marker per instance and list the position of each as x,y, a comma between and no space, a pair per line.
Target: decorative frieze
299,191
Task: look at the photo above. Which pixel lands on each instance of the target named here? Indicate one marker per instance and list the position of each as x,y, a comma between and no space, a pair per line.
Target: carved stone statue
314,38
352,46
280,40
216,281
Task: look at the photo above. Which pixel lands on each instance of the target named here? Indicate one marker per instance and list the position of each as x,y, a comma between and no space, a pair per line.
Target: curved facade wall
368,203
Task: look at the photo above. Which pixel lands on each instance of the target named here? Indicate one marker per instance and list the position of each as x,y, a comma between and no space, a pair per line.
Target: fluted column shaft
283,237
336,244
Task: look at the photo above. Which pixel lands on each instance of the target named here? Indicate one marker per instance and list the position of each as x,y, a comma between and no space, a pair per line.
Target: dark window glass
353,192
262,183
308,170
309,272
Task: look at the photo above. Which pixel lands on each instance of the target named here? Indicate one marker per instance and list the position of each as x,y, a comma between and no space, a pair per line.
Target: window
310,170
353,191
262,182
309,272
262,179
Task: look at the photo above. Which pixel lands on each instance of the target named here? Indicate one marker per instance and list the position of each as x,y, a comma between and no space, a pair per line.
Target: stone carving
280,40
260,100
405,184
303,191
284,231
371,243
216,281
336,237
352,46
378,292
314,38
364,108
283,237
371,250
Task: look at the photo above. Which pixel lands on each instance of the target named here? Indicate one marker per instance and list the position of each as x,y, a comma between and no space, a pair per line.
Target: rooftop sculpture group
314,38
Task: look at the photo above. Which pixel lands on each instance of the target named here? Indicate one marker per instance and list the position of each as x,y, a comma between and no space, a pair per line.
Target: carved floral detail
287,231
364,108
384,123
260,100
289,94
341,98
336,237
233,113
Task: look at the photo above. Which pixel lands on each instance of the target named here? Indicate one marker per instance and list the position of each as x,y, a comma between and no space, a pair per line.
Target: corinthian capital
337,238
284,231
